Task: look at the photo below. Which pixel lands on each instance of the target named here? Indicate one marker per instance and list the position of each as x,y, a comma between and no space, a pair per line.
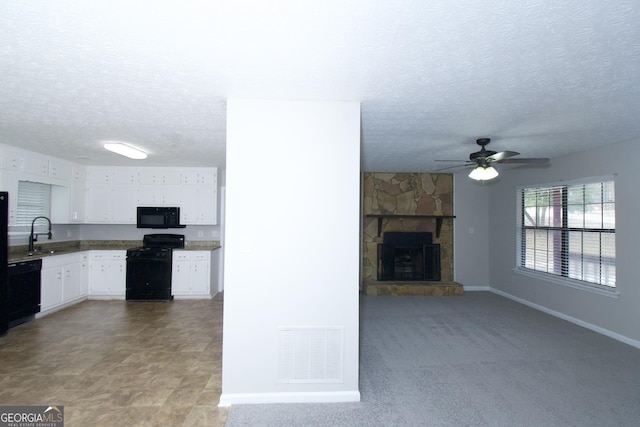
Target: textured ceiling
540,77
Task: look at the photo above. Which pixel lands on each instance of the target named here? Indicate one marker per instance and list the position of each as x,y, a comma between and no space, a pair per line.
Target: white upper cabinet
78,194
113,193
35,164
199,196
99,202
79,174
159,195
124,203
100,175
159,176
110,194
10,159
126,176
206,206
60,170
208,177
189,177
200,176
188,204
111,204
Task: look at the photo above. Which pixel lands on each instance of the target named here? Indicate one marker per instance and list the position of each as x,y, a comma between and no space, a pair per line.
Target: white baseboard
195,296
228,399
598,329
476,288
61,306
106,297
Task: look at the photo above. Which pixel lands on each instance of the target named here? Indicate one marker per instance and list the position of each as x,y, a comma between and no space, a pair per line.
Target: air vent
311,355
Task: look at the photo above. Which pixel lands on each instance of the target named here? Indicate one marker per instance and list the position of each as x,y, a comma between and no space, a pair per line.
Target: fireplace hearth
408,256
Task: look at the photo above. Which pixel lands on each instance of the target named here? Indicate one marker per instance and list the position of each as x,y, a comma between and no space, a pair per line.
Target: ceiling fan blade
501,155
456,161
530,160
453,167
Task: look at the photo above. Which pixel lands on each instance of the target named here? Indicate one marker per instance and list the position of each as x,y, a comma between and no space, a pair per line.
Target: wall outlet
200,233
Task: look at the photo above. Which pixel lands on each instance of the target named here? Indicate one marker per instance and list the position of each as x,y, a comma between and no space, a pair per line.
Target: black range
149,267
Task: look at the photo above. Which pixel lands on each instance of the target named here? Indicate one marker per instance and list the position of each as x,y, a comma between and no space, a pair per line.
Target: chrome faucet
33,237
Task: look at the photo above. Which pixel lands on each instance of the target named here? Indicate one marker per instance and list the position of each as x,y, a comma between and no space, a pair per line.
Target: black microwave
158,217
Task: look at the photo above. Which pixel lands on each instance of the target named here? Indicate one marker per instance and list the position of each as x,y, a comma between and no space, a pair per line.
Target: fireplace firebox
408,256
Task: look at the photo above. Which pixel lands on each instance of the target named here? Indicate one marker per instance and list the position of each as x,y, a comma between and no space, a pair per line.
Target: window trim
569,282
25,212
610,291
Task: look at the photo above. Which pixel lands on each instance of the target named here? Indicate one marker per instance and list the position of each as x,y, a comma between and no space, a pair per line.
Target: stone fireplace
408,234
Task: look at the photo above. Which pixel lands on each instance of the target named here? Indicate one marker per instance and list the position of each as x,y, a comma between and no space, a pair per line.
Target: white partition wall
291,252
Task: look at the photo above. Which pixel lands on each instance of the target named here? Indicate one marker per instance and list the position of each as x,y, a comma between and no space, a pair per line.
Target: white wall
291,242
618,317
131,232
471,232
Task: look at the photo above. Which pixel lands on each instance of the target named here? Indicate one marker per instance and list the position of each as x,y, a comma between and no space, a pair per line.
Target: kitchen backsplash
71,232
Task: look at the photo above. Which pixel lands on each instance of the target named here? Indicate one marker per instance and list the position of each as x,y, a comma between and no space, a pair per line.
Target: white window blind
569,231
34,199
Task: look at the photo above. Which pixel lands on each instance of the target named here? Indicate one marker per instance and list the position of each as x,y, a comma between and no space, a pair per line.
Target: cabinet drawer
200,256
181,255
106,255
61,260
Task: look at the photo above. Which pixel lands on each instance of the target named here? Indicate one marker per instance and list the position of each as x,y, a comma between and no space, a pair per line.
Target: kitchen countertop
20,253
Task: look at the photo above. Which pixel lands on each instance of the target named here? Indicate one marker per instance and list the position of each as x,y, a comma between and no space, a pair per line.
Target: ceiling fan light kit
483,173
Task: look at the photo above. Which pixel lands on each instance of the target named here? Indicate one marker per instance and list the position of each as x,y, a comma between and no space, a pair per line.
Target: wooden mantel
438,219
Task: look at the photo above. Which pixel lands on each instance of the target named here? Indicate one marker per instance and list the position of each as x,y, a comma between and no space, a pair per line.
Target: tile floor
120,363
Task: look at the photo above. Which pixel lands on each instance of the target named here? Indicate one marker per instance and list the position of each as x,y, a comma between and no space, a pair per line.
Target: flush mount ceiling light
125,150
483,173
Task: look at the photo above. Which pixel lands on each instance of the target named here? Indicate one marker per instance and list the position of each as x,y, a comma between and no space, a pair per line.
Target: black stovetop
157,246
172,241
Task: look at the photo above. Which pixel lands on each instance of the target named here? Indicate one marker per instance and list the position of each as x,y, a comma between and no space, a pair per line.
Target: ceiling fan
483,161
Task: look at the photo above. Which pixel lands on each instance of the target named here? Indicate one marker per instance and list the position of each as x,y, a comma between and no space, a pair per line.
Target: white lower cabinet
107,274
50,287
102,274
71,282
191,274
62,280
70,278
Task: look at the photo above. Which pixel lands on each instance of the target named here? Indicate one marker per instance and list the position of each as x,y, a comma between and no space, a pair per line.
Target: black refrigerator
4,288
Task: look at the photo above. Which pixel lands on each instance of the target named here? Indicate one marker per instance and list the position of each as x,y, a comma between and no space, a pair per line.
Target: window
569,230
34,199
